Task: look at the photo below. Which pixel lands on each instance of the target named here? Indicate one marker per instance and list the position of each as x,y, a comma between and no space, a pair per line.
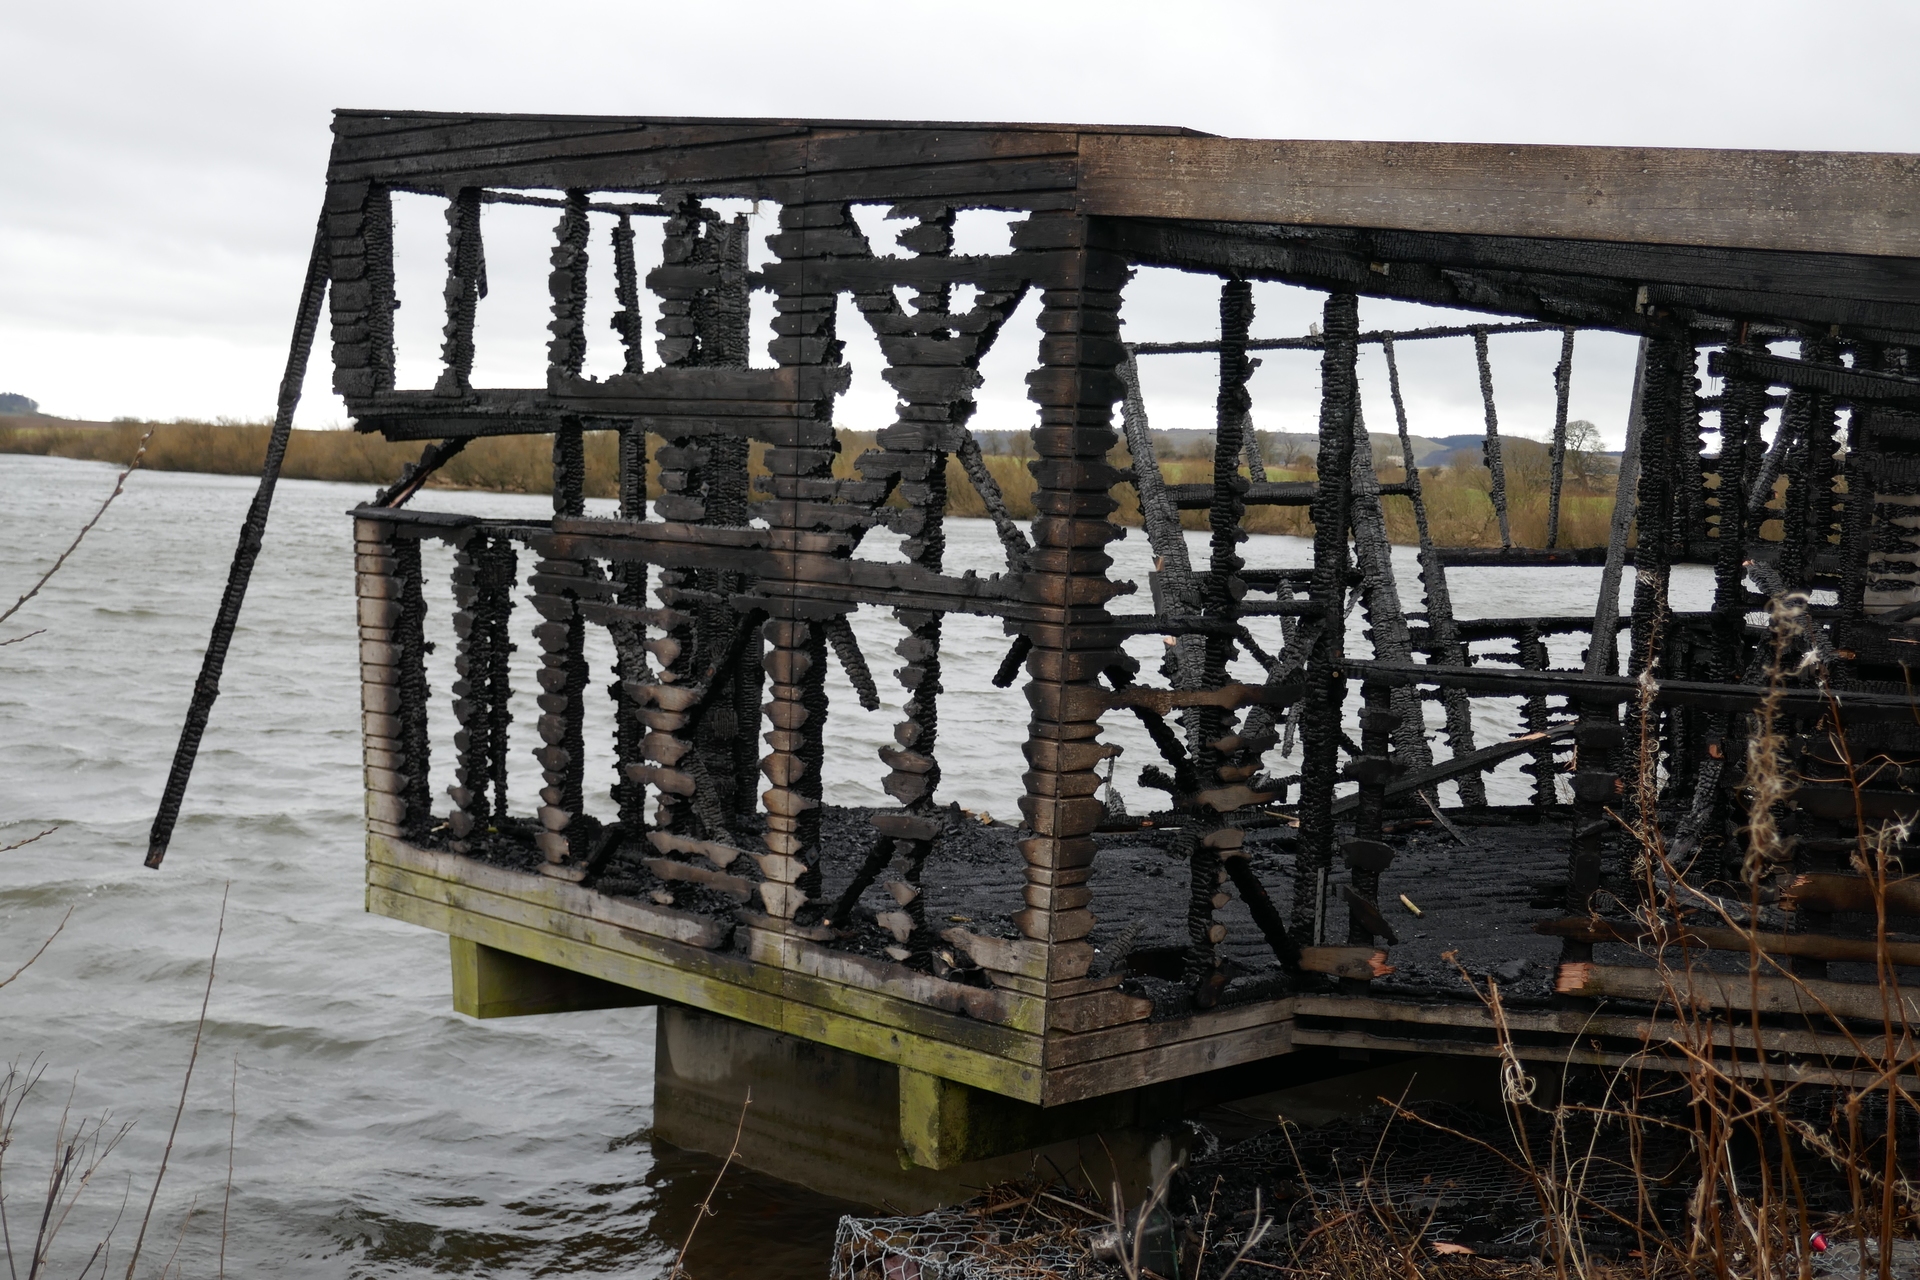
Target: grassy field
1458,506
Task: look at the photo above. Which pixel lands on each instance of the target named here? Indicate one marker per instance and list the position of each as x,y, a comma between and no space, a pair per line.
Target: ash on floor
1479,900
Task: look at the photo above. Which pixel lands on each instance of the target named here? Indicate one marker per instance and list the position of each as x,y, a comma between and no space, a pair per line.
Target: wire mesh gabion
975,1241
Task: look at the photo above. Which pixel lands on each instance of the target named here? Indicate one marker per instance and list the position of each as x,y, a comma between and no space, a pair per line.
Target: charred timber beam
1515,557
449,521
1272,493
1511,628
1850,386
1265,253
416,474
1374,337
1514,683
1592,929
1629,287
790,162
1474,762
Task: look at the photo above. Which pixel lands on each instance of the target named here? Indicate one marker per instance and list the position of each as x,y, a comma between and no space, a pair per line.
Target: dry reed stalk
705,1209
119,486
186,1081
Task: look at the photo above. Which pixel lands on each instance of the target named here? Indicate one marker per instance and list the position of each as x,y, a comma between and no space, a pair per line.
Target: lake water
375,1132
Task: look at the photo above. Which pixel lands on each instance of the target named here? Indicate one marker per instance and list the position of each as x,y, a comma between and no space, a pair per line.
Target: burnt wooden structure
727,884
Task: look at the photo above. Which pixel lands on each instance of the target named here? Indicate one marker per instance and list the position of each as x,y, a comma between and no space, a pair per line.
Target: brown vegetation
1458,507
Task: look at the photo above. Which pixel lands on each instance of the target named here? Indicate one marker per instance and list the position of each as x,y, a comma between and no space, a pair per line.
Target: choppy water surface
375,1132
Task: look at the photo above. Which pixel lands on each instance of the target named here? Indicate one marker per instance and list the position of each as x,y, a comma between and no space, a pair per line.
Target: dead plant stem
193,1056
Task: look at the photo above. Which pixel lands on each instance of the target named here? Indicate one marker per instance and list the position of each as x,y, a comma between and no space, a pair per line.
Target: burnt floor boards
1479,900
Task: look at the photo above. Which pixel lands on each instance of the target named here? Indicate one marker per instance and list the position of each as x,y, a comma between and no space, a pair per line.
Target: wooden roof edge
1864,203
983,126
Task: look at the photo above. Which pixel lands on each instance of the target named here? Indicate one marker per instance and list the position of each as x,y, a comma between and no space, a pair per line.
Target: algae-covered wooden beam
490,983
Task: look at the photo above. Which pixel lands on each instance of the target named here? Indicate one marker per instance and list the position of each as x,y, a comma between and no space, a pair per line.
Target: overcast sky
161,164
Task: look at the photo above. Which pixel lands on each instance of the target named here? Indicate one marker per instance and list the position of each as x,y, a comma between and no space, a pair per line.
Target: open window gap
420,277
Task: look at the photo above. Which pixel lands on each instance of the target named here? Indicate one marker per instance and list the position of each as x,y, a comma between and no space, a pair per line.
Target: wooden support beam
1829,202
944,1124
1762,993
1820,946
1851,386
490,983
1274,493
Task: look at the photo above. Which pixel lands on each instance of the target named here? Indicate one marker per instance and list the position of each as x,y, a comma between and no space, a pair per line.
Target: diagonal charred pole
206,689
1012,537
1163,736
1496,467
1603,646
1250,443
1174,588
846,647
1445,646
1380,592
416,474
1562,388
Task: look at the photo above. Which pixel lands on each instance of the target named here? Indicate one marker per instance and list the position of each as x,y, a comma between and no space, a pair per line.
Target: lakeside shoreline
1458,507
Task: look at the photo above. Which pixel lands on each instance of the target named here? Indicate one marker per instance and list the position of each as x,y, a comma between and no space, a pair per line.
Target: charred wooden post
628,627
1596,790
485,572
812,240
1496,463
410,645
561,636
1367,855
1892,467
1665,408
1075,388
1808,505
350,313
387,661
1557,463
466,285
1743,409
1544,768
628,322
1326,688
796,667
